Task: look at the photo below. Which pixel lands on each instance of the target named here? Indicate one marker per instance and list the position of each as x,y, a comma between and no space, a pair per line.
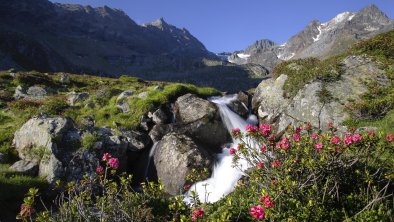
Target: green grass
384,124
13,188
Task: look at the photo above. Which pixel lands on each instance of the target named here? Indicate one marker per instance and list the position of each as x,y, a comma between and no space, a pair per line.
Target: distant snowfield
243,56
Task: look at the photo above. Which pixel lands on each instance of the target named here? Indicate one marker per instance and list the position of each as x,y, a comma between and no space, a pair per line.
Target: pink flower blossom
232,151
315,136
236,131
187,186
251,128
114,163
267,201
318,146
296,137
197,213
99,169
278,145
357,137
265,129
298,130
276,163
257,212
348,139
263,148
285,143
272,137
106,156
260,165
335,140
390,137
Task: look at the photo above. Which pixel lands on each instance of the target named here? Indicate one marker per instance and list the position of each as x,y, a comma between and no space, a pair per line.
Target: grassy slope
103,92
368,111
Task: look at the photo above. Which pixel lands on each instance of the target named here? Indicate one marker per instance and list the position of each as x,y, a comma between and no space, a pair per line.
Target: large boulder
318,102
46,141
189,108
175,156
268,99
200,119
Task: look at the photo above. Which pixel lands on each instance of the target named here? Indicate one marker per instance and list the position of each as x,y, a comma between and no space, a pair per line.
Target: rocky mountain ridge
52,37
320,40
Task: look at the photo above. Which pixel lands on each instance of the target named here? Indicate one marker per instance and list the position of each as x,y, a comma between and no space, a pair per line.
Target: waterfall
151,153
224,176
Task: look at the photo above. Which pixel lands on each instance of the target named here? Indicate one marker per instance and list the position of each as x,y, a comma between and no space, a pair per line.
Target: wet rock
137,140
161,116
178,153
189,108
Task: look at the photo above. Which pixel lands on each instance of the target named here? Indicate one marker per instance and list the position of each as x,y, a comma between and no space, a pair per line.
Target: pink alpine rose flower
260,165
296,137
232,151
236,131
318,146
198,213
263,148
114,163
267,201
335,140
251,128
298,130
348,139
315,136
106,156
276,163
357,138
99,169
390,137
265,129
257,212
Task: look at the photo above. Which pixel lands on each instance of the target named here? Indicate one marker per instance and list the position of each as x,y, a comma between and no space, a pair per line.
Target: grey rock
83,163
3,158
64,79
124,95
36,92
269,100
161,116
33,92
189,108
146,123
143,95
74,98
178,153
25,167
158,131
137,140
123,106
160,88
48,137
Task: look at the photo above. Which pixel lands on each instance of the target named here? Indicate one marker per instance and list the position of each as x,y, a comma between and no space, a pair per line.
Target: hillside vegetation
376,106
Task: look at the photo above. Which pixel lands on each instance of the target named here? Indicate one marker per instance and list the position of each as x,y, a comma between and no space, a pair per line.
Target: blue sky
228,25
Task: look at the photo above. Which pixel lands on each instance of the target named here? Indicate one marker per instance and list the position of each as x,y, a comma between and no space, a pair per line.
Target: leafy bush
303,176
311,177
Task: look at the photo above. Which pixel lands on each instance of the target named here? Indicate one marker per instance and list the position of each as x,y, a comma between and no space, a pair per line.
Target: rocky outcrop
175,156
308,104
46,141
33,92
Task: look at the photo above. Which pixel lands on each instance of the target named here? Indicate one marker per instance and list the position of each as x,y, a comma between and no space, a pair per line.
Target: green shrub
89,139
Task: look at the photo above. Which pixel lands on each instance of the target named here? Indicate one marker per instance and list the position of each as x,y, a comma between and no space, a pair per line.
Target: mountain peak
160,23
374,13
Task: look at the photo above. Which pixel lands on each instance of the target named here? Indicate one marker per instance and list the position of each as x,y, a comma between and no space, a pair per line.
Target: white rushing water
224,176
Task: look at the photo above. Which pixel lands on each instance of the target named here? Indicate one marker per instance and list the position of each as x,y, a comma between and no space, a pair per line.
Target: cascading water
224,175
